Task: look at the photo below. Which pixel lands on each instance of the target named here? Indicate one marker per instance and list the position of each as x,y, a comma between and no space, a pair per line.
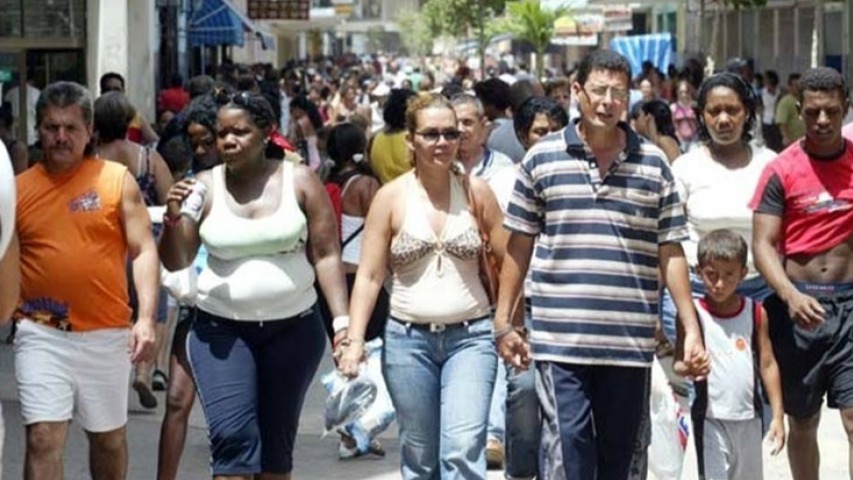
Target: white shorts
732,449
65,375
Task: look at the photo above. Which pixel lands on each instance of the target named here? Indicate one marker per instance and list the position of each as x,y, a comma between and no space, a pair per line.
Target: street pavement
315,458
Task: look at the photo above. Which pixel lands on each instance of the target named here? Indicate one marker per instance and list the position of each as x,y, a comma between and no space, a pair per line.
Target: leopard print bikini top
417,240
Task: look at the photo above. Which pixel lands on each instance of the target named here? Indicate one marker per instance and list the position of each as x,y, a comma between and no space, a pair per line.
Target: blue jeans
441,385
514,418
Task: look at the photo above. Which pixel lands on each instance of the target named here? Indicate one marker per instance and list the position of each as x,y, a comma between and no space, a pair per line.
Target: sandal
146,396
159,381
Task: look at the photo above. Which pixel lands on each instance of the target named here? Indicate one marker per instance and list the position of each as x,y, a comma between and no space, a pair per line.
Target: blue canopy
654,47
218,22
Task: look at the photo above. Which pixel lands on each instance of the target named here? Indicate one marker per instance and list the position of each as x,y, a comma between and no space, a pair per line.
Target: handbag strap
474,210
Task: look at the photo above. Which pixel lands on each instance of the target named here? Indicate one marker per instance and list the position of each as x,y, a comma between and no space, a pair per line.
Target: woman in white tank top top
439,356
257,338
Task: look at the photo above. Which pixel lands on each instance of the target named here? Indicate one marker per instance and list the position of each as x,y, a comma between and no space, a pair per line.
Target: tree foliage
527,20
460,18
463,19
415,33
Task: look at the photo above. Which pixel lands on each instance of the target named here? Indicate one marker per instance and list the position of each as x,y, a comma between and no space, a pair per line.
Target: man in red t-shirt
803,210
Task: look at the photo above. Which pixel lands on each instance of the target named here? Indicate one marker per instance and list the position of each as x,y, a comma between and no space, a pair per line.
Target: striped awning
218,22
654,47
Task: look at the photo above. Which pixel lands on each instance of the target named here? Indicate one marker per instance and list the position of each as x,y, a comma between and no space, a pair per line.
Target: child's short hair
722,245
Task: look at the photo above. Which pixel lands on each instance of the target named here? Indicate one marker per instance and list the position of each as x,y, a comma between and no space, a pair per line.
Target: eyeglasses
616,94
451,135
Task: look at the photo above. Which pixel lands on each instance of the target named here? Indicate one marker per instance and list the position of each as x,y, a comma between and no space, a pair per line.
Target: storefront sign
278,9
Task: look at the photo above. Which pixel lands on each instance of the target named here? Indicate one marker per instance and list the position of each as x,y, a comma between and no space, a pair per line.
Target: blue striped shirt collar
575,143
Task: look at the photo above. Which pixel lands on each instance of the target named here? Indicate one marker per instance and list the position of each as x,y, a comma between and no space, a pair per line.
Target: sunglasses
224,97
451,135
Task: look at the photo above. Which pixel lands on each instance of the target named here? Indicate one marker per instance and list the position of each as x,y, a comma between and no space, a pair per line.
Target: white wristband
340,323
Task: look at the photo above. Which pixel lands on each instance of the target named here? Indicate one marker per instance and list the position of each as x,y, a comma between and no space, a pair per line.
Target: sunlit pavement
315,457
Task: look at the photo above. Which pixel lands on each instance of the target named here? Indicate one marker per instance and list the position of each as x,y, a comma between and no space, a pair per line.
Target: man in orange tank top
79,219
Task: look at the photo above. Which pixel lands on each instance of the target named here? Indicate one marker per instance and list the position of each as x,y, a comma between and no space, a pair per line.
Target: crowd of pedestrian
522,251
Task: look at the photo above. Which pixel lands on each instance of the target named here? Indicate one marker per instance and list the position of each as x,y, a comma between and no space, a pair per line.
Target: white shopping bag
670,428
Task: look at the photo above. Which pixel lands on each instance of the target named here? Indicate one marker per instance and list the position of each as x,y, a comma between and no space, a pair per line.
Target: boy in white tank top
727,408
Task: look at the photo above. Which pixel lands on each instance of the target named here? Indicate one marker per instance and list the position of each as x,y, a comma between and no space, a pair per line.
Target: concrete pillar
106,40
848,38
142,56
302,51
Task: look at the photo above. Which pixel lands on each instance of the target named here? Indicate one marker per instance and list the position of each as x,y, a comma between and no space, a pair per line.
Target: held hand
349,358
177,193
514,350
141,342
696,360
776,436
805,310
336,343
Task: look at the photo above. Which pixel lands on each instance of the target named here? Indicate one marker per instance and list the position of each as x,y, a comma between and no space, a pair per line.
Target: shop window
43,18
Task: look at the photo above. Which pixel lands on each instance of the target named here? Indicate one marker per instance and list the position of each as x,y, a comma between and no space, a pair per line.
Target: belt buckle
437,327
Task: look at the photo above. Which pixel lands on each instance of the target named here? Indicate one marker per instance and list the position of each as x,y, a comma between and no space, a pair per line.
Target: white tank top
257,268
351,226
436,279
731,383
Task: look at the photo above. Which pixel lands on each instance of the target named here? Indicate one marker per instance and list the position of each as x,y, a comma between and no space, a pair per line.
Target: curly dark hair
201,110
823,79
744,92
255,104
603,60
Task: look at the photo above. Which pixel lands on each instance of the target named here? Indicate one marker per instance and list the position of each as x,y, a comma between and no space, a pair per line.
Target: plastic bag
7,200
348,398
670,429
375,416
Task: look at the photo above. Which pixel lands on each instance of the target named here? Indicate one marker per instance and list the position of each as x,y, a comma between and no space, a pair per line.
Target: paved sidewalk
315,457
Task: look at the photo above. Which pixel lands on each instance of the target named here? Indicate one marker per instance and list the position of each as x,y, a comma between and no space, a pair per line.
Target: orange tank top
73,247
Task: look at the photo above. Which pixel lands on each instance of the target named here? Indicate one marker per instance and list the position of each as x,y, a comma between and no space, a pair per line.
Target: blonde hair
422,101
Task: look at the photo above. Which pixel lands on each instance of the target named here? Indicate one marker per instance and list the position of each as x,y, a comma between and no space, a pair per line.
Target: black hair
6,117
792,77
528,110
345,141
519,92
722,245
603,60
113,114
823,79
200,85
201,110
452,90
301,102
394,113
176,152
176,80
494,92
105,78
246,83
744,92
252,103
771,77
660,111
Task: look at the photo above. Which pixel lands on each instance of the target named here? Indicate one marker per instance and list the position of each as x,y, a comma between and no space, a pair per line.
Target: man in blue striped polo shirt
596,216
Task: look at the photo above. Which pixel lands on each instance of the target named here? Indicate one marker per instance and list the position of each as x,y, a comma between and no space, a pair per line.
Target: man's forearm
511,283
676,277
146,279
769,264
